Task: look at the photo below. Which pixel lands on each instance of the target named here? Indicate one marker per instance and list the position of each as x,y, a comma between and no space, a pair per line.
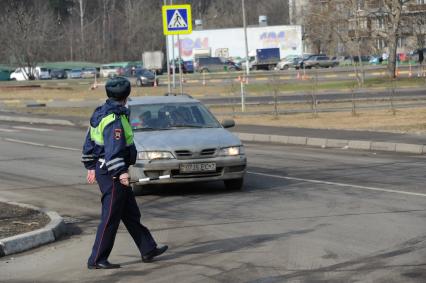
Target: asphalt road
305,215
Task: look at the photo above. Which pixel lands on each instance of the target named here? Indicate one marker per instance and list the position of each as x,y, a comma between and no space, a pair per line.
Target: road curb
22,242
335,143
368,145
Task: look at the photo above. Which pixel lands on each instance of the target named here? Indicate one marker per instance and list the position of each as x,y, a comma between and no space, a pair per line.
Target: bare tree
112,30
332,24
28,33
392,14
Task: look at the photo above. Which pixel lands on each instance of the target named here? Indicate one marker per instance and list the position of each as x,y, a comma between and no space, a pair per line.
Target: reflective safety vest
97,134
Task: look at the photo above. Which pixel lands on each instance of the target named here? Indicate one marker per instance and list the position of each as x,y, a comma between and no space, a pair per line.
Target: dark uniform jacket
109,140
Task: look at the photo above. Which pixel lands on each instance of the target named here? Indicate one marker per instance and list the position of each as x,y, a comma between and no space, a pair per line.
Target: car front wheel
139,83
234,184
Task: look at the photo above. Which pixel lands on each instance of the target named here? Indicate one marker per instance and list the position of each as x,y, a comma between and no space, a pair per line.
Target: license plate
197,167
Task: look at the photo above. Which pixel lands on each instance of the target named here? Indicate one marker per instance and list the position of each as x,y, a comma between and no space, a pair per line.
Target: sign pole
245,38
243,99
167,57
173,62
173,55
177,20
180,65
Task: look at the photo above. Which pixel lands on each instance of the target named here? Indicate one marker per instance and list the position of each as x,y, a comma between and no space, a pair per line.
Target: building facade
373,20
332,26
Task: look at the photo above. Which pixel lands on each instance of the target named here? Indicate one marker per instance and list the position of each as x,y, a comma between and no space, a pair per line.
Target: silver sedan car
180,141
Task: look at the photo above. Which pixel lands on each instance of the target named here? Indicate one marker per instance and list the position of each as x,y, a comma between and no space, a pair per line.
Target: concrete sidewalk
363,140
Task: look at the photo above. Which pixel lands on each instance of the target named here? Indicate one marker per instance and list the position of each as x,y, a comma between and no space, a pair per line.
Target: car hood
185,139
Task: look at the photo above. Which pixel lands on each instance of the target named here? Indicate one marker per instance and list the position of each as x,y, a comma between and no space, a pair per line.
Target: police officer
108,152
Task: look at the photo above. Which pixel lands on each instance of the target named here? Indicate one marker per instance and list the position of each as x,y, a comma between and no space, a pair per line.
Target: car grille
208,151
183,153
187,154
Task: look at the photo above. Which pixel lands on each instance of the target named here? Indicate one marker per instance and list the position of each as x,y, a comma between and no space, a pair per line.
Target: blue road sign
177,19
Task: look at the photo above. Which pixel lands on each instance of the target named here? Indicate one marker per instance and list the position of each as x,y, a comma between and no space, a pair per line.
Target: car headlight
151,155
232,151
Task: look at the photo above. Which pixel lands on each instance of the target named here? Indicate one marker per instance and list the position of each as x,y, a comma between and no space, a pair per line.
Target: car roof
160,99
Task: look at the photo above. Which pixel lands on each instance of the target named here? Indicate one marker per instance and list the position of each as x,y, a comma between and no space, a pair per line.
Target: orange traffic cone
298,75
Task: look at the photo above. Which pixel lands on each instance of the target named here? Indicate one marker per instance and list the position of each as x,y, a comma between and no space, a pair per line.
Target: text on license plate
198,167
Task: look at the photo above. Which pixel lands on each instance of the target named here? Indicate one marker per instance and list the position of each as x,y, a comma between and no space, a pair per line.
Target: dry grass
72,89
405,121
408,120
83,92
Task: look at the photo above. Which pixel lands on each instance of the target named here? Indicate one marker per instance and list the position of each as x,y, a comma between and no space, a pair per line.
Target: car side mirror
228,123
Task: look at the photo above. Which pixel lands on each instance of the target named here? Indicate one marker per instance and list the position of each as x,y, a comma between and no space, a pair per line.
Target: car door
217,64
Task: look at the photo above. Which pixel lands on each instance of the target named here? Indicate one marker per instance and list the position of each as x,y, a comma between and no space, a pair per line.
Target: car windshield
144,72
166,116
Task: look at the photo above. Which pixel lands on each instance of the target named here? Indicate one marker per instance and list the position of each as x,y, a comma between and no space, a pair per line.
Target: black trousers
118,203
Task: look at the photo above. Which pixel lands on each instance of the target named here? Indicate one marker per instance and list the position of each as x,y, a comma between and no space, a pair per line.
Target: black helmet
118,88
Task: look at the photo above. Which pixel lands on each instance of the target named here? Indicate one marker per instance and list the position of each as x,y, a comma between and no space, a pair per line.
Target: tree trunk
392,44
104,28
82,43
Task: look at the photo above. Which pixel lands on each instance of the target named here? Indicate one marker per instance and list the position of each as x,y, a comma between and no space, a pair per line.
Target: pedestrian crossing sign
177,19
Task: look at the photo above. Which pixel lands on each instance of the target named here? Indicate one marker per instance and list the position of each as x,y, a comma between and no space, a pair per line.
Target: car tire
234,184
231,69
139,83
285,67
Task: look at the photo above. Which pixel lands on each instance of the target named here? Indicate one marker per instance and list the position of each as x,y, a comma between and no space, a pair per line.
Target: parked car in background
319,62
145,77
287,63
88,73
341,60
376,60
42,73
75,74
108,71
214,64
58,74
363,58
188,66
21,74
179,141
301,62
